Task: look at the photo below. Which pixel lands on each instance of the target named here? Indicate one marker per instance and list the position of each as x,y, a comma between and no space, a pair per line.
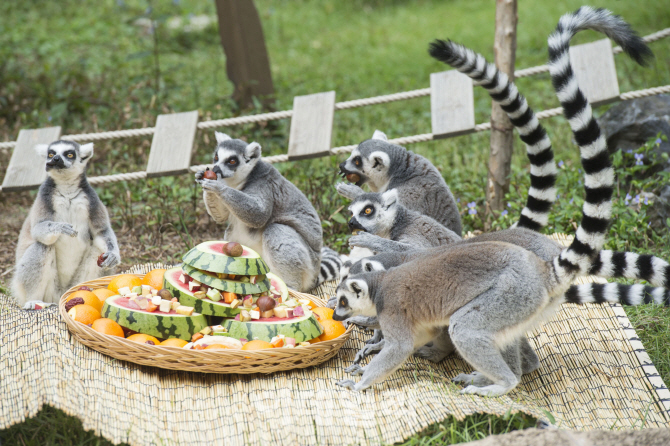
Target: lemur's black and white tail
598,172
629,265
542,193
330,266
617,293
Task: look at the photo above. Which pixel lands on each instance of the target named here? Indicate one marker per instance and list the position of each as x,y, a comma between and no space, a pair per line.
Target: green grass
84,66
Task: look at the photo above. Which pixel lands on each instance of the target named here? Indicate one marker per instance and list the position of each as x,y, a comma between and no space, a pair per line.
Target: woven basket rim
203,361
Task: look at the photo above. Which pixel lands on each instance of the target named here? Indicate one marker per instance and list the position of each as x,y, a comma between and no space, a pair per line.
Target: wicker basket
204,361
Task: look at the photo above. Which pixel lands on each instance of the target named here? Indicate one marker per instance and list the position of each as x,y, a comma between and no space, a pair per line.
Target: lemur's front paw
367,350
68,229
199,175
364,240
110,260
347,384
35,305
355,369
212,185
349,191
332,302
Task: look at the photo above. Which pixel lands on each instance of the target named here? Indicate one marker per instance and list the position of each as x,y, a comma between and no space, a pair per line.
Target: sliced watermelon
301,328
232,286
279,285
208,256
158,324
204,306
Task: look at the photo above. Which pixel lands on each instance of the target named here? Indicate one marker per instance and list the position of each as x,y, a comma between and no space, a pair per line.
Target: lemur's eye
368,210
216,158
343,302
70,155
357,162
232,161
51,155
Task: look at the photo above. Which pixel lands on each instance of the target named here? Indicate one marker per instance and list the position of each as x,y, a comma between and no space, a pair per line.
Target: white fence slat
452,106
172,144
311,125
593,65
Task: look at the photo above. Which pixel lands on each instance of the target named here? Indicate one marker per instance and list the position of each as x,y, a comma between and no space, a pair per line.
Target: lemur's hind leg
37,275
529,360
440,348
289,257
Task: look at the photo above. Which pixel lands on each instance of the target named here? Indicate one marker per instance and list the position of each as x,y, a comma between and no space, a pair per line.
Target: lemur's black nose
351,223
217,170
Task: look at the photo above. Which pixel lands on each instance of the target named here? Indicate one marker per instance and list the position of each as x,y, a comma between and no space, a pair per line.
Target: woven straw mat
593,375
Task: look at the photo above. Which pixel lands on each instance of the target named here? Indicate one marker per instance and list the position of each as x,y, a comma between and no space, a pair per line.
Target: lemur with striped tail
495,291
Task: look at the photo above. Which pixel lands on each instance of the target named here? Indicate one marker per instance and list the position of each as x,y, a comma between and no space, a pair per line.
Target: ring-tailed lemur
268,213
66,230
496,291
383,166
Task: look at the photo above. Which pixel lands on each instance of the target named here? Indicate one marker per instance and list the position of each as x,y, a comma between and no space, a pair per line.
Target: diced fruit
277,342
239,286
199,294
206,331
137,289
197,336
301,329
186,311
229,297
304,344
151,307
235,303
278,285
174,305
156,324
255,315
298,311
194,286
248,301
218,329
165,306
289,342
156,300
214,295
208,256
280,311
124,291
245,316
220,340
267,314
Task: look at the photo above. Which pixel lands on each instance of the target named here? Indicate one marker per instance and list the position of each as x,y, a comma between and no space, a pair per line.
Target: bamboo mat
590,378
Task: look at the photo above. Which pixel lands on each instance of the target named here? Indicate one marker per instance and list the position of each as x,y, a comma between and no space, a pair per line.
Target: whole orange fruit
89,298
141,338
154,278
323,313
85,314
108,327
124,280
256,345
331,329
103,293
173,342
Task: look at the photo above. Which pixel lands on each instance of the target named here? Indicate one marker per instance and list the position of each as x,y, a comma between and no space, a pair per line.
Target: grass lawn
85,66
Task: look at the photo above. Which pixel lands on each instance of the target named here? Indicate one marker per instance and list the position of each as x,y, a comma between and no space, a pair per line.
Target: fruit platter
220,311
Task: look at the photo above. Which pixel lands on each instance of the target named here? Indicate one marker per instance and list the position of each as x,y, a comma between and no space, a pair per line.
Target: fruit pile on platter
222,296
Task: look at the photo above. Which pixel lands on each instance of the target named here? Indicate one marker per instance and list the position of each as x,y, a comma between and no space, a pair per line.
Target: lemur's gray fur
420,186
66,230
486,280
266,212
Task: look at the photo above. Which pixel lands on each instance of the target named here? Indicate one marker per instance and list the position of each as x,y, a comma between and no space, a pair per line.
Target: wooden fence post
502,135
247,61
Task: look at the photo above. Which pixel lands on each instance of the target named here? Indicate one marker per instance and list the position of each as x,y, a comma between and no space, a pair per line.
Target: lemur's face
374,213
65,158
234,159
369,163
364,265
353,299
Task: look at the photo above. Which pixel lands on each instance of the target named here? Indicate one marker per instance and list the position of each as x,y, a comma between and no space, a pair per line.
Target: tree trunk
502,135
243,43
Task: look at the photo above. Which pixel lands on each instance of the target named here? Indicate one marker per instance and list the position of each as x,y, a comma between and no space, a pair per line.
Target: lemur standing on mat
66,231
268,213
498,291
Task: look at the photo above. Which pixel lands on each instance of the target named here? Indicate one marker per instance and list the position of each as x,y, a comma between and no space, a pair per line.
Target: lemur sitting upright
268,213
66,231
497,291
383,166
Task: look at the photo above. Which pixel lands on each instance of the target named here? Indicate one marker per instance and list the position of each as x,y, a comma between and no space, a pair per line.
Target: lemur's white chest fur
244,235
71,209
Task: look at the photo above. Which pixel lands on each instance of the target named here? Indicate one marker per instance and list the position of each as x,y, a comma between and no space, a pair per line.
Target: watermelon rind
160,325
279,285
302,329
203,257
232,286
203,306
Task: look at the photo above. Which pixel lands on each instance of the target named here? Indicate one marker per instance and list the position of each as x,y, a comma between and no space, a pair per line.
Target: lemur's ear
358,286
371,265
389,198
221,137
253,150
42,150
380,135
86,151
380,160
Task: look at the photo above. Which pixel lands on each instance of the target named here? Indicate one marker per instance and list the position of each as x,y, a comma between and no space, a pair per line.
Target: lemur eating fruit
268,213
495,291
66,238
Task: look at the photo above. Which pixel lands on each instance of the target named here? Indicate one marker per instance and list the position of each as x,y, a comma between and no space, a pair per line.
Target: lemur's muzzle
338,317
352,177
217,170
354,225
55,162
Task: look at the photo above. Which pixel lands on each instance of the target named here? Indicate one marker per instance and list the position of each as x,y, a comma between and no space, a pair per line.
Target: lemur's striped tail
613,264
617,293
330,266
598,171
542,193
